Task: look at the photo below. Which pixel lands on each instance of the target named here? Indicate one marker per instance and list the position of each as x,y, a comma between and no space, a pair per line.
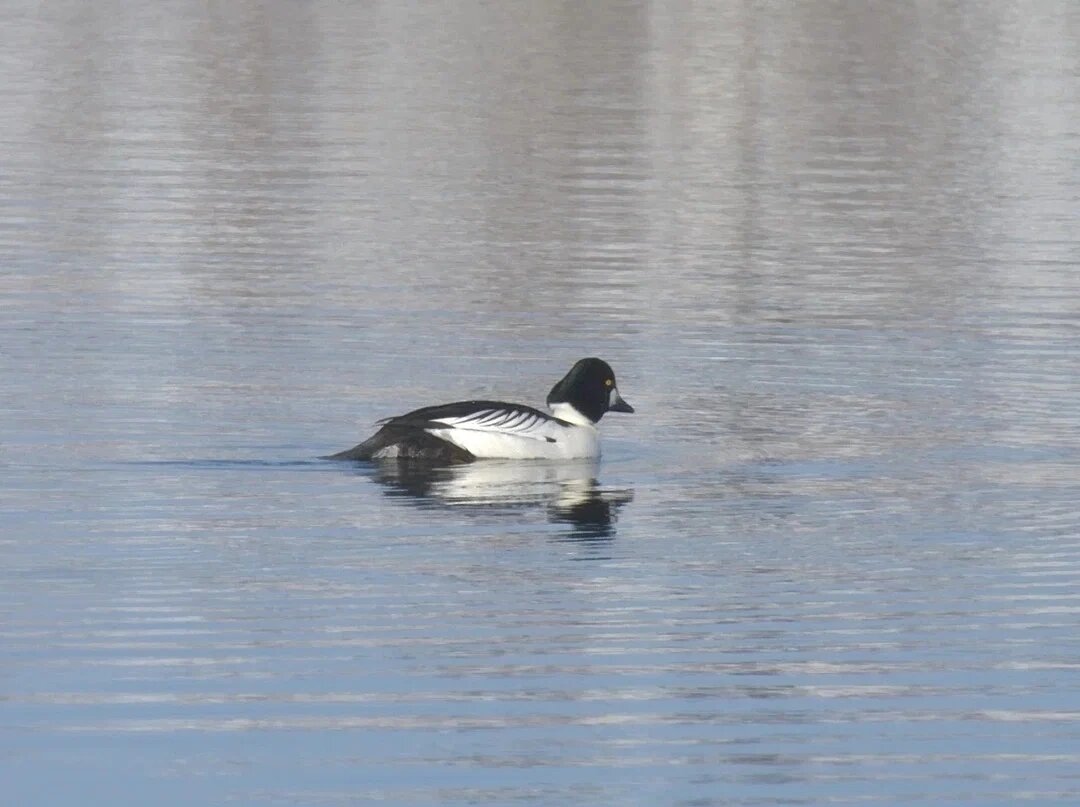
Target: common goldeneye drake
470,430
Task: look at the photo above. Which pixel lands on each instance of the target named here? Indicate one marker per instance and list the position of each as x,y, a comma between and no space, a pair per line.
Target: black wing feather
483,412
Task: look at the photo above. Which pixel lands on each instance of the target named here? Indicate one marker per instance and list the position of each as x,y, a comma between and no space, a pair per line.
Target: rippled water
829,248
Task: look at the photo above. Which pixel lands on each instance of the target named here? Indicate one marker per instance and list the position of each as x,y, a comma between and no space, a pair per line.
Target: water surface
830,251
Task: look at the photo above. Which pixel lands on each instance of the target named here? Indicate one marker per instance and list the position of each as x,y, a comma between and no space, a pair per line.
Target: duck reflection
567,490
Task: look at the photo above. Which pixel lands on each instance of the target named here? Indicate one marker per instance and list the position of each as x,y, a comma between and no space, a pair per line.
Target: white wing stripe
494,420
502,421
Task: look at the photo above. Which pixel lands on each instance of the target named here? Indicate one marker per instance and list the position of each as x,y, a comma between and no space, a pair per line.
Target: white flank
514,435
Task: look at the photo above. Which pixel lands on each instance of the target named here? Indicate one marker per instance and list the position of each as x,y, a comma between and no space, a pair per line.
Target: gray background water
830,248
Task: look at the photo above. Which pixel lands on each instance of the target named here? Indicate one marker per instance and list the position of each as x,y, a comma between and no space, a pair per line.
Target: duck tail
365,450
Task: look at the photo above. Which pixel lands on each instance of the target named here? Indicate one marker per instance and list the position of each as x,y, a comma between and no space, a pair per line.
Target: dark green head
589,388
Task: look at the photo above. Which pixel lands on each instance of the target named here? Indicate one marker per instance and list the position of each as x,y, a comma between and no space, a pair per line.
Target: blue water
830,251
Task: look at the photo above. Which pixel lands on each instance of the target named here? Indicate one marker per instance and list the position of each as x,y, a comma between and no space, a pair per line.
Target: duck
465,431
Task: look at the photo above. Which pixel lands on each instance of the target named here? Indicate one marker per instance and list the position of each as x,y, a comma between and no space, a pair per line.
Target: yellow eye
608,383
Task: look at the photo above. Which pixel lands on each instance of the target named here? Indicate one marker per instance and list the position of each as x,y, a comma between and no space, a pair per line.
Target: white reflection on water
568,491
